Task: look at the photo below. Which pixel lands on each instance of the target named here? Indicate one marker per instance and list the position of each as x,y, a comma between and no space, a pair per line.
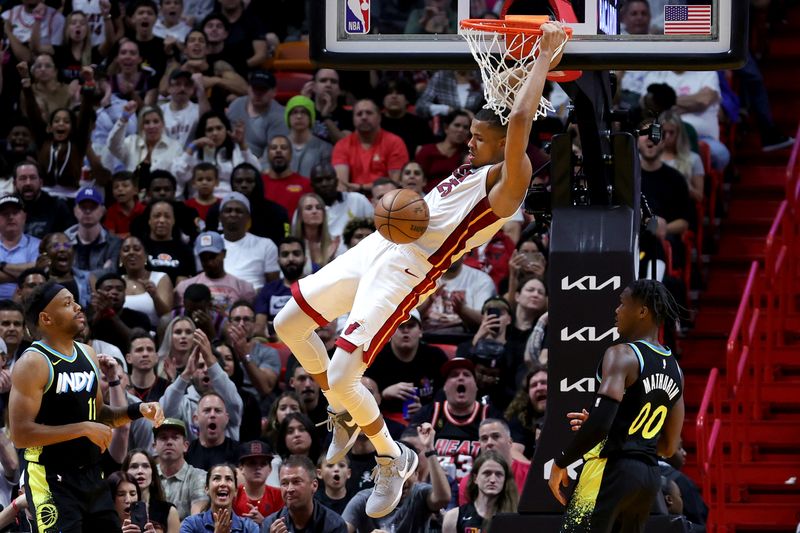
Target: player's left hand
153,412
558,477
576,419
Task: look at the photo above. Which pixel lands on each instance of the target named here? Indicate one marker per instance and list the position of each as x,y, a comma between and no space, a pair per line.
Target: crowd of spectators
149,167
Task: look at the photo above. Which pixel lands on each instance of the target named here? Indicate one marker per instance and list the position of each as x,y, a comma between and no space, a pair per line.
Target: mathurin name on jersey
663,382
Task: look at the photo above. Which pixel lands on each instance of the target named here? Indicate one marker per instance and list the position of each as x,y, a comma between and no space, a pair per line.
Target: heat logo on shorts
351,328
357,17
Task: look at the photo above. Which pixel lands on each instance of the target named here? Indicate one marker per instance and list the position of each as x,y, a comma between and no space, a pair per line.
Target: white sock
344,377
384,443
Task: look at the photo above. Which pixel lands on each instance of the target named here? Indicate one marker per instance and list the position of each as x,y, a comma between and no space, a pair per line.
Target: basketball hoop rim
521,25
508,26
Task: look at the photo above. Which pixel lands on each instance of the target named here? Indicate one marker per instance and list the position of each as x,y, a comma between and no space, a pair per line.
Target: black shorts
614,494
71,501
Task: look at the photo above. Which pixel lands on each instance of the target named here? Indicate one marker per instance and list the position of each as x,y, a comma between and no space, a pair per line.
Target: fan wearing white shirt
342,207
151,145
22,19
251,258
169,25
181,115
698,99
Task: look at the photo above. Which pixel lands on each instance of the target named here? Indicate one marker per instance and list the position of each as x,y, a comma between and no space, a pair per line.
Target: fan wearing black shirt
142,358
165,252
246,34
163,187
396,95
212,447
151,48
407,369
111,321
667,193
457,419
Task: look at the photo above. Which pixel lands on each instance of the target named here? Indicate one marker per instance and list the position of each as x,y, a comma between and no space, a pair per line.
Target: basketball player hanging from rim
637,416
379,282
56,412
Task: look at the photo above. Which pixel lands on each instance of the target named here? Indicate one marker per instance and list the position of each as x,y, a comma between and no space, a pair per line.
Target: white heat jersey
94,16
460,216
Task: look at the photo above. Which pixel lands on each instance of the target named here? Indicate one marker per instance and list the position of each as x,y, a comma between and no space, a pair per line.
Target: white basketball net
502,73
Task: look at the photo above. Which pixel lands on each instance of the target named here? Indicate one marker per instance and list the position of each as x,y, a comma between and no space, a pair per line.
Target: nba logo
357,17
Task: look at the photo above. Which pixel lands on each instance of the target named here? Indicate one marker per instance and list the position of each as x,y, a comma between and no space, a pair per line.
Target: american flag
687,20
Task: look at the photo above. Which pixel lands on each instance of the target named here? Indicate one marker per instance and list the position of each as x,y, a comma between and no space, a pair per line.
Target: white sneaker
345,432
389,476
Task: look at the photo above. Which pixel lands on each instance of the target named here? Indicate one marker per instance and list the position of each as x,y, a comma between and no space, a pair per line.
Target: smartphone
495,312
139,514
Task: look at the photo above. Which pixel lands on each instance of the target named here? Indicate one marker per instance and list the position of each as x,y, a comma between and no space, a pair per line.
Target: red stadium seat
292,56
448,349
290,84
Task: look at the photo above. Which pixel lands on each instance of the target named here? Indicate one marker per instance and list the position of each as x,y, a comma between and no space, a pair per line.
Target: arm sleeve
594,430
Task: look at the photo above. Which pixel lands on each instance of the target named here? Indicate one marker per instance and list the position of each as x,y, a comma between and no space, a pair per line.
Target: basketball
401,216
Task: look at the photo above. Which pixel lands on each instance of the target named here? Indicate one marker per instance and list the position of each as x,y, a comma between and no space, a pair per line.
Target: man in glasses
261,363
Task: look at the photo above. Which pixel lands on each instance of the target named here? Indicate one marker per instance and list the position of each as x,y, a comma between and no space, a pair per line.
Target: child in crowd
127,205
334,476
169,25
205,178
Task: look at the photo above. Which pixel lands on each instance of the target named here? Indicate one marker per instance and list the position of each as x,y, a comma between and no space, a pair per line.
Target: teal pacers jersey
646,403
69,397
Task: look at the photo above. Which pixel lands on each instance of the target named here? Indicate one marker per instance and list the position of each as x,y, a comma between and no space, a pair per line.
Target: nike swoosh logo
57,361
407,271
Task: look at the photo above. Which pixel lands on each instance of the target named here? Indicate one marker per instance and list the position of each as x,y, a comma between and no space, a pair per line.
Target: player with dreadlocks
637,416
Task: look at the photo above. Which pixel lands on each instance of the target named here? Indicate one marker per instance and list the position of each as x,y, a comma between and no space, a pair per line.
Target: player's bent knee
291,322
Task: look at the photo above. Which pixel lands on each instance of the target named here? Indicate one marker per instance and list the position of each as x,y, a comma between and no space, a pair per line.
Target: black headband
38,305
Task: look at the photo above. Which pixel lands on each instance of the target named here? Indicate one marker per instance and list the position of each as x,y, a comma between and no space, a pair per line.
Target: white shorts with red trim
378,282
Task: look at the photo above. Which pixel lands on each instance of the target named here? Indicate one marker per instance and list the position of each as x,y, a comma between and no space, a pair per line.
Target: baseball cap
414,315
209,241
457,362
255,448
262,78
174,423
89,193
178,73
11,199
234,196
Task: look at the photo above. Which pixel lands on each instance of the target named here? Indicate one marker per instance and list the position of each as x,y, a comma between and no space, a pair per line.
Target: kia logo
582,385
588,334
589,283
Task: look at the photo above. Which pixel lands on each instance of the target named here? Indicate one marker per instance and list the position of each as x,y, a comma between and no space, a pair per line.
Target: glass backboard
678,34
